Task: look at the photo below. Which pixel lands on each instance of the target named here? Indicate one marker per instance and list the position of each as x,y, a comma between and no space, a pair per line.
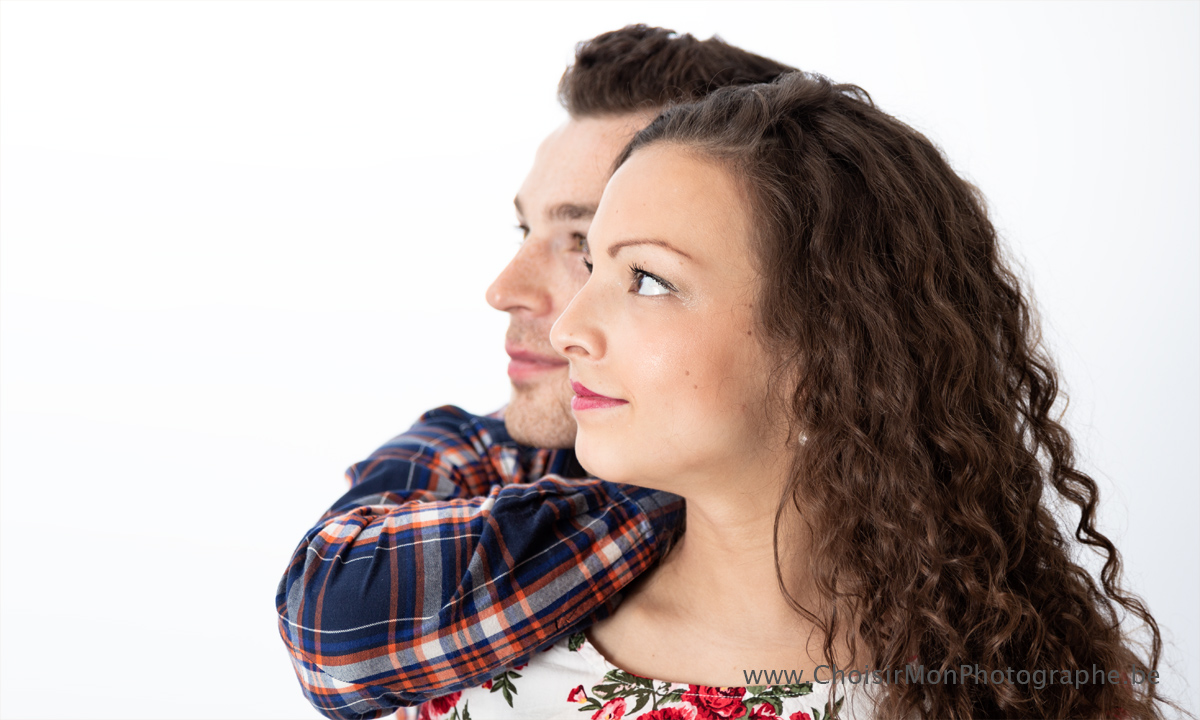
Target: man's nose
523,283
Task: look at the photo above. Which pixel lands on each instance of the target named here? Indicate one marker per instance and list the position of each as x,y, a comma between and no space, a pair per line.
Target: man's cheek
574,274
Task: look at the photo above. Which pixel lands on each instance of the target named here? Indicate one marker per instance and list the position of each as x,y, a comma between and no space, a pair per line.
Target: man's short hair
641,68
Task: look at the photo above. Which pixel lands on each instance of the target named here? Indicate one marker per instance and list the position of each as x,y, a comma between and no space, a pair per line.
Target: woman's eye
647,284
524,231
587,265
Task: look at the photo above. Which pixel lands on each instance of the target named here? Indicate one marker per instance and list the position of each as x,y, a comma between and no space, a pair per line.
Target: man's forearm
404,602
443,564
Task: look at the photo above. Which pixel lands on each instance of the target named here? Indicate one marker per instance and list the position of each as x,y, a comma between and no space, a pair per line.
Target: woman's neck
723,569
713,607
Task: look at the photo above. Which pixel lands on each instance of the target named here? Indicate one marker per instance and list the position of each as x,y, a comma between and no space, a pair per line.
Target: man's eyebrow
563,211
571,211
616,247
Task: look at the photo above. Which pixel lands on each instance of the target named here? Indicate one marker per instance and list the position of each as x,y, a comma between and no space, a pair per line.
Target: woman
799,320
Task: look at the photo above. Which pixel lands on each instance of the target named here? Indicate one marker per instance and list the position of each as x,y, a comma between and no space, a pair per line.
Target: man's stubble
539,413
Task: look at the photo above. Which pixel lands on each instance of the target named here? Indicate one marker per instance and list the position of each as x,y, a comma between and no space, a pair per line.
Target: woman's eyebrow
616,247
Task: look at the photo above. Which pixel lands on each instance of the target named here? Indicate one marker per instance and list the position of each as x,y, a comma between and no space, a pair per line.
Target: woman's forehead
678,197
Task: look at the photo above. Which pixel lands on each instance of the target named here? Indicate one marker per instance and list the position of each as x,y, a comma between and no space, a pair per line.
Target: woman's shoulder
571,679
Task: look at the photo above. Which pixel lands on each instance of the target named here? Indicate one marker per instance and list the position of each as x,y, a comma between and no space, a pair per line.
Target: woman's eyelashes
644,283
650,283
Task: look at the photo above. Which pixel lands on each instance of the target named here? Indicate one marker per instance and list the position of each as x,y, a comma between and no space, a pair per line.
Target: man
469,543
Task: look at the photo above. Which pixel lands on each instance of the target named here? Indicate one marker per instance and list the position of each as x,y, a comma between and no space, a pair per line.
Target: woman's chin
596,460
603,457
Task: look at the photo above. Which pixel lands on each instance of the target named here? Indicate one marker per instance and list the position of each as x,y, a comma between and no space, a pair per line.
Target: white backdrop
242,244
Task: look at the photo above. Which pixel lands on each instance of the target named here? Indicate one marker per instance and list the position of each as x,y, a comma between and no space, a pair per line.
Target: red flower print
765,711
439,706
714,703
487,685
612,710
577,695
800,716
674,712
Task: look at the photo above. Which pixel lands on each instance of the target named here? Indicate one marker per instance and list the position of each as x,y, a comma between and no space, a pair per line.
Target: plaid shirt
456,554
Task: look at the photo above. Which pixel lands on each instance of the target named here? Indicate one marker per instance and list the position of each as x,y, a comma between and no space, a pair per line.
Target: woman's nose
576,334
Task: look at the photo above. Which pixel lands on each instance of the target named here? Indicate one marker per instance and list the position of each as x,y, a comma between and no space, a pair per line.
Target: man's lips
525,365
587,400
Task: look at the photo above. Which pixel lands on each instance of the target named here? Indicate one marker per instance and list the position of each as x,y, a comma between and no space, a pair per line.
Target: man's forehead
607,133
572,166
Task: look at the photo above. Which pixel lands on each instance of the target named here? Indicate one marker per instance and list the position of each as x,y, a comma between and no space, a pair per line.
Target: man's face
554,209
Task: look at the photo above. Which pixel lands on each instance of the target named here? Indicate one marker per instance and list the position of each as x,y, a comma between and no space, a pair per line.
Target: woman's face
665,327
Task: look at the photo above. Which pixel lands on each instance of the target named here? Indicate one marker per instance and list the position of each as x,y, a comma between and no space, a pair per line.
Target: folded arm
441,567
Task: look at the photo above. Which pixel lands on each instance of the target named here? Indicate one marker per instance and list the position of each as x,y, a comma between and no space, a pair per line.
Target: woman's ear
784,399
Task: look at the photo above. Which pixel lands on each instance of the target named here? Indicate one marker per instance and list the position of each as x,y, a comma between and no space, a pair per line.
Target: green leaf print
639,690
605,691
774,695
503,683
837,708
576,641
623,684
641,703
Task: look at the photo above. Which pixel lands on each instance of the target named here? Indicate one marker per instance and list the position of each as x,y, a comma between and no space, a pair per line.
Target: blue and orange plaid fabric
456,554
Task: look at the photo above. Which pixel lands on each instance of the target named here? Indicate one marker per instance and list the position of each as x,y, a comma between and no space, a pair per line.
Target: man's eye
524,231
580,242
646,284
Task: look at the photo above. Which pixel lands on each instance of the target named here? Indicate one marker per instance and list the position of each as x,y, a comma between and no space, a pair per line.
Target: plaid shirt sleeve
455,554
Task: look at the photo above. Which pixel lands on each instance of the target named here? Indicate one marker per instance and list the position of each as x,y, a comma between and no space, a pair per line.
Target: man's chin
538,417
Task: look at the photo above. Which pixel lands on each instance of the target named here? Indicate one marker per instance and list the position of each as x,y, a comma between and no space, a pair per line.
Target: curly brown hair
912,361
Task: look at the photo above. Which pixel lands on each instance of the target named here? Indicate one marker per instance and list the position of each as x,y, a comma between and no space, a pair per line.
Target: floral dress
572,680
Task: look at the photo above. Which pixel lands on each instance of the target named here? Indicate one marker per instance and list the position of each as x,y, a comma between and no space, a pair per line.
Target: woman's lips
587,400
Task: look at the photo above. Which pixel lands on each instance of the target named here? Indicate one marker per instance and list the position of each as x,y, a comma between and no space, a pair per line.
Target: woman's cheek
652,351
676,360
